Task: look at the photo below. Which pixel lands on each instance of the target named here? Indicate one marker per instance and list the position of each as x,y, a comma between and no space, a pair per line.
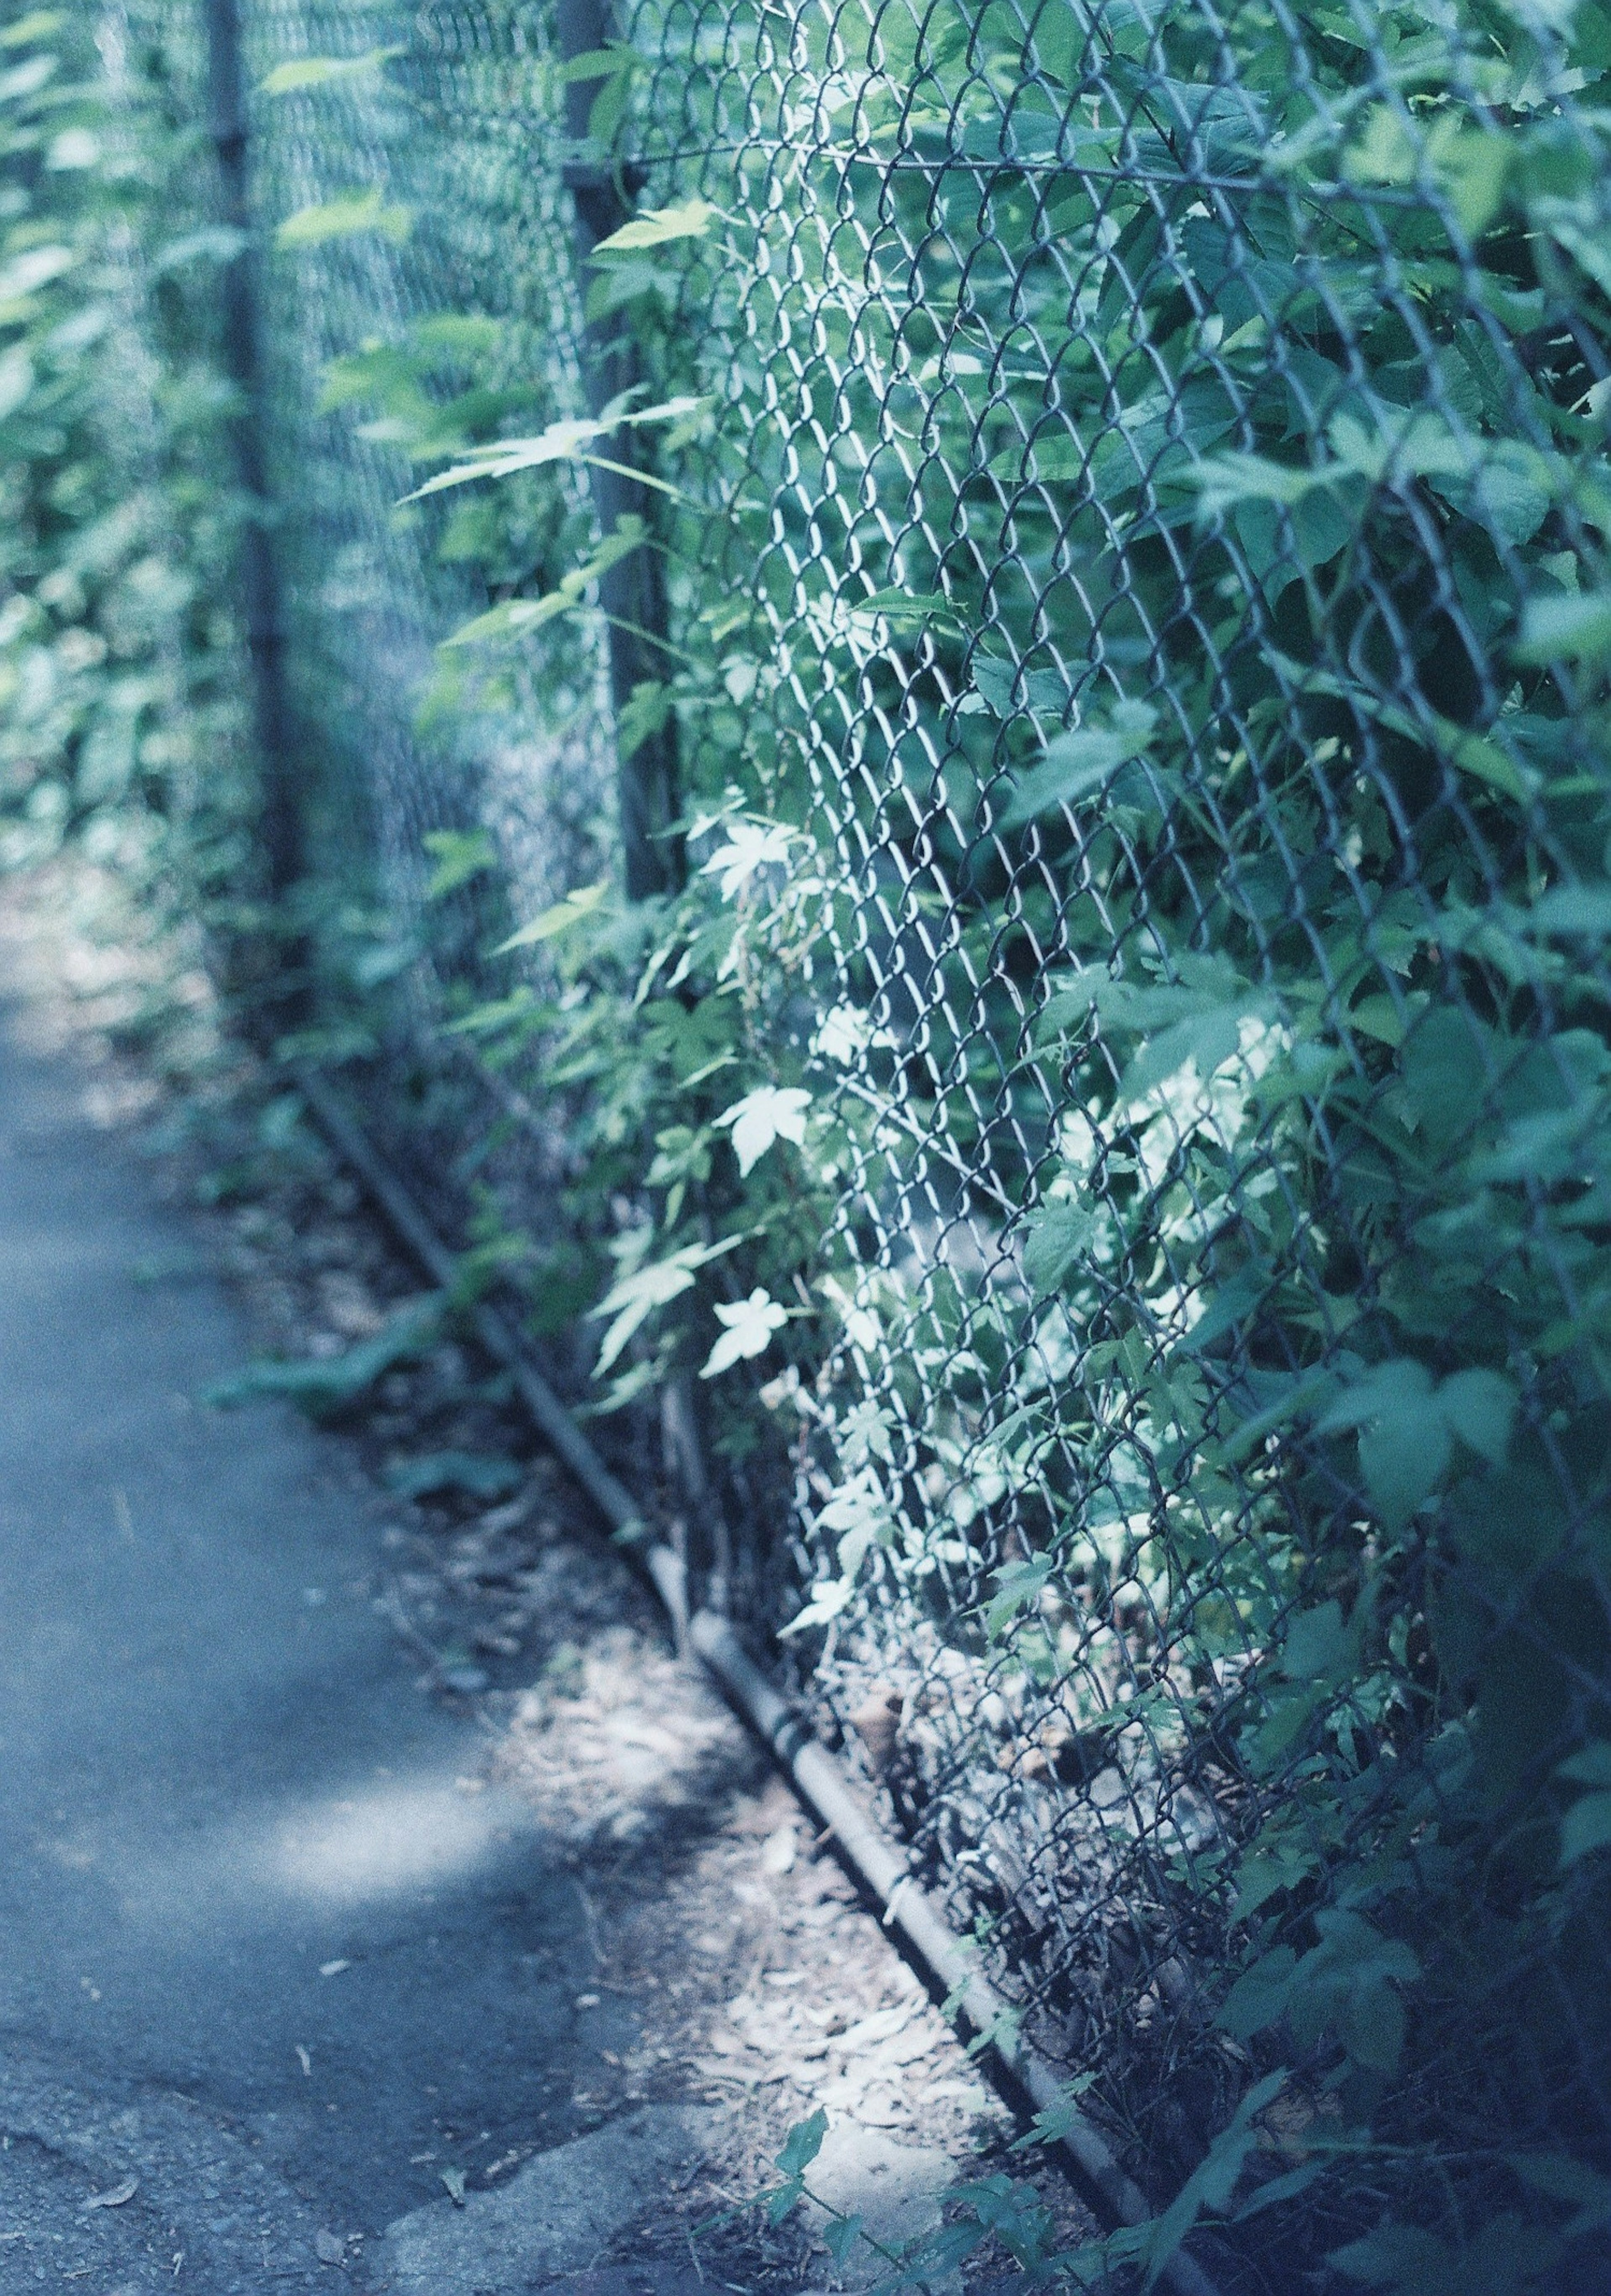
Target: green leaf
1259,1995
1586,1828
1079,764
36,24
1224,481
1405,1444
26,79
1373,2027
1229,1307
1398,2256
1265,1876
1502,2256
1313,1642
839,2236
212,243
905,609
1278,2189
1570,912
74,147
1206,1038
516,617
1055,1241
828,1597
1590,1766
1474,170
595,63
1017,1585
688,219
1053,2122
324,71
751,845
483,1474
1402,1457
16,380
803,2143
1212,2184
771,1112
637,1296
1468,752
747,1327
1560,2178
563,915
1407,1423
646,712
341,218
1576,627
35,268
1480,1408
623,1388
460,855
325,1384
562,442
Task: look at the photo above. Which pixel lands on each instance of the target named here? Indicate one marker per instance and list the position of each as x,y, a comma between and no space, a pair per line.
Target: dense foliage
1129,1062
122,720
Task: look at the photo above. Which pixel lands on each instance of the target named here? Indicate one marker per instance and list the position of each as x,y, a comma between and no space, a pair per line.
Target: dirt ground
736,1966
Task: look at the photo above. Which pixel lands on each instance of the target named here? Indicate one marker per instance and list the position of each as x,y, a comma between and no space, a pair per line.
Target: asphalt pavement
263,1961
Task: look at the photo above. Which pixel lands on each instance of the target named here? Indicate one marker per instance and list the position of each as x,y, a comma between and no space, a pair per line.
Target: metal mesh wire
1140,558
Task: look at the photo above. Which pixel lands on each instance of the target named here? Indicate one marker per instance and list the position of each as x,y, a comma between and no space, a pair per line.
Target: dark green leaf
803,2143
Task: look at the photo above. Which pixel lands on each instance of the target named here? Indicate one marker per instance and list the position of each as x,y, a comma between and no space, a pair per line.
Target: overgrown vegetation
121,670
1129,1061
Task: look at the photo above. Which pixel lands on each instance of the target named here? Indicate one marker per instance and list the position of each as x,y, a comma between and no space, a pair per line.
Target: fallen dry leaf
115,2195
777,1856
454,2179
877,1722
328,2249
881,2026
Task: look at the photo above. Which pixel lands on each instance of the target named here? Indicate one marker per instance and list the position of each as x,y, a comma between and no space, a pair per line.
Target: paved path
219,1781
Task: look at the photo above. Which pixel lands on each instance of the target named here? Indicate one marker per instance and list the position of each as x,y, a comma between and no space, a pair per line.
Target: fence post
633,592
279,824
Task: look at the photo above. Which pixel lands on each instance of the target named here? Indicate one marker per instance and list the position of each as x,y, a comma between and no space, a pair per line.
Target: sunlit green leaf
687,220
302,72
342,218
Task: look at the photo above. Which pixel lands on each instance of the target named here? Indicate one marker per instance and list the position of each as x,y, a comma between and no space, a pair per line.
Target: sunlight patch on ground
394,1836
368,1842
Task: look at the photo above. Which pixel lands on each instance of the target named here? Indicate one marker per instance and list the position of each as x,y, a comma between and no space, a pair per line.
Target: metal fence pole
633,592
279,822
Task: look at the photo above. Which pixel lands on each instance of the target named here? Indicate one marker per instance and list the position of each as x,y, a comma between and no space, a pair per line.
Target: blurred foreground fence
965,825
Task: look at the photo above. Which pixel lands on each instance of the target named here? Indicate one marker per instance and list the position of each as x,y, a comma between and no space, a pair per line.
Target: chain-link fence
1046,717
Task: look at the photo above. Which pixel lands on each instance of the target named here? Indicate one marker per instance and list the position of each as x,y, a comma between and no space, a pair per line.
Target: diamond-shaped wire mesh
1145,543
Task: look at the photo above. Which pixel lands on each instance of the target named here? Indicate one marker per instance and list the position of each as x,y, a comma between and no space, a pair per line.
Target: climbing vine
1109,1137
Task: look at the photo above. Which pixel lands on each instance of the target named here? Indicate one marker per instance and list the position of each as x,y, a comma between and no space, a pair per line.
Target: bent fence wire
1116,1054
